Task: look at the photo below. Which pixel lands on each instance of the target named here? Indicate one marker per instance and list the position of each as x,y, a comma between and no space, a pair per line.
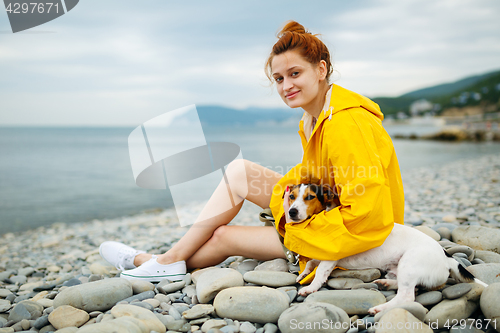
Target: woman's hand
286,205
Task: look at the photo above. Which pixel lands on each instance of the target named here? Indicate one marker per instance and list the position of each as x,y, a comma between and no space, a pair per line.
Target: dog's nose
293,213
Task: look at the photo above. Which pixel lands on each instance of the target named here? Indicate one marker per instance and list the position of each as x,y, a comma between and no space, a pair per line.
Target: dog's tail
460,273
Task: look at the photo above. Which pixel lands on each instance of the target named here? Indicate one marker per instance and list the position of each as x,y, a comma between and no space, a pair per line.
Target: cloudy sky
120,63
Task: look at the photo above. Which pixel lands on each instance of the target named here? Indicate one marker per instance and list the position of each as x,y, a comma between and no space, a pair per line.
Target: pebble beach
52,279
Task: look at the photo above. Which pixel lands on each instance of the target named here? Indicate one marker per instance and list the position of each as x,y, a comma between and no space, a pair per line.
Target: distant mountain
472,90
449,88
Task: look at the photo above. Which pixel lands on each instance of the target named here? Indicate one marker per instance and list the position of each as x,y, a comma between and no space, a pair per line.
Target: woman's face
297,80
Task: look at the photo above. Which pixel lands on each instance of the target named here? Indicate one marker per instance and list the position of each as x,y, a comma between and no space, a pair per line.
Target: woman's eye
295,73
279,79
310,197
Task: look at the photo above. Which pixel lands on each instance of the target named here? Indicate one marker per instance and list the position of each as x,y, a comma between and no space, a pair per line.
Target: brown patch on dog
294,193
314,205
437,288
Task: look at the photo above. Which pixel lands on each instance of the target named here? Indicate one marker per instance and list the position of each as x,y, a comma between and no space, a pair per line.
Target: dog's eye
291,197
310,197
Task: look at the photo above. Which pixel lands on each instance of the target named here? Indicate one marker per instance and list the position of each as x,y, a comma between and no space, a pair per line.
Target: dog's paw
386,283
300,277
307,290
376,309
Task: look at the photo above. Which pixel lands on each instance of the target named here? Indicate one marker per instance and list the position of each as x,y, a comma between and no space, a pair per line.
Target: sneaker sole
156,278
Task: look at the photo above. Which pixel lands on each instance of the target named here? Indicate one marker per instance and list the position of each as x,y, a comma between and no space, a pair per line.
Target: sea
70,174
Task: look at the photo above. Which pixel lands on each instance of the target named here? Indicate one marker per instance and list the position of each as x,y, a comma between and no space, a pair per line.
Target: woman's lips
292,95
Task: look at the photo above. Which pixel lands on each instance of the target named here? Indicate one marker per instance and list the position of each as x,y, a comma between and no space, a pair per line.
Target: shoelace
123,256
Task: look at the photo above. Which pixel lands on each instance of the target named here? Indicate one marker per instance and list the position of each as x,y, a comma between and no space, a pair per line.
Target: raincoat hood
349,150
338,99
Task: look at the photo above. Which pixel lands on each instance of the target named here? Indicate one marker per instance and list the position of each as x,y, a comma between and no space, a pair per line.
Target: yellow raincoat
351,151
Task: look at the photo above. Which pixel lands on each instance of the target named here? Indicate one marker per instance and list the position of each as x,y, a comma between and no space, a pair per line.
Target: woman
345,146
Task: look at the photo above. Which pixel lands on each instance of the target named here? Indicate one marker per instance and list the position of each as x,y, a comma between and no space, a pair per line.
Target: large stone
247,265
102,268
429,232
68,316
26,310
67,330
314,317
352,301
415,308
467,250
213,324
456,291
4,305
122,325
197,273
255,304
214,280
276,265
450,310
145,316
7,330
18,313
343,283
477,237
429,298
400,320
5,292
140,297
475,293
95,296
490,305
488,273
487,256
366,275
198,311
167,287
139,286
270,278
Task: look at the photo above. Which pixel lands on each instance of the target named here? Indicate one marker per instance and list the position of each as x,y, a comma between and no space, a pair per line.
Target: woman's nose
287,84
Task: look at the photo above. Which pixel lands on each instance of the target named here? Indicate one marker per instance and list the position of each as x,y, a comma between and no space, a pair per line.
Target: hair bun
292,26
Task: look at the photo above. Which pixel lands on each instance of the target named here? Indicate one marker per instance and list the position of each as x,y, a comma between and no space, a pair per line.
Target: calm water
52,175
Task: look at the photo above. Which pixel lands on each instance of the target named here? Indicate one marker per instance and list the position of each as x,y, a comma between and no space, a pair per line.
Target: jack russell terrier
409,256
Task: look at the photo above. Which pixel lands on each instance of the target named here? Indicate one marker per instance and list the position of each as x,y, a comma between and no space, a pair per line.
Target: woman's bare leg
255,183
261,243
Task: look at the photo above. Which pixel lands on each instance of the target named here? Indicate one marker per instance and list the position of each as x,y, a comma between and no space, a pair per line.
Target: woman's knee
239,174
236,175
221,237
251,181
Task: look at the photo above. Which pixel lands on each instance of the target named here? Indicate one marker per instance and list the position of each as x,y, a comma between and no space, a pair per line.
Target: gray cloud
121,63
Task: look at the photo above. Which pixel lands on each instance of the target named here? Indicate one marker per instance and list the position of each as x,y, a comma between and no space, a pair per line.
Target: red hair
293,36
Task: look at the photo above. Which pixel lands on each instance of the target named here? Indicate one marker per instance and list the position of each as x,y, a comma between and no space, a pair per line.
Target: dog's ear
328,195
291,187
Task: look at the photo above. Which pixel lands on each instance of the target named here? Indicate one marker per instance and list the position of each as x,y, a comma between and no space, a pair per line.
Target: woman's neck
316,106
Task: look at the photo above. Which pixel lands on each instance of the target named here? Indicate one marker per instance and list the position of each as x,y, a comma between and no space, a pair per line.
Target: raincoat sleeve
365,217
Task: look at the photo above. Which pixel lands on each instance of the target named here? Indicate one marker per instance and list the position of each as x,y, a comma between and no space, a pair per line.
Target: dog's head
308,199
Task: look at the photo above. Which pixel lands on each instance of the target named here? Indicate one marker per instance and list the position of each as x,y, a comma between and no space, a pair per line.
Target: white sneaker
118,254
153,271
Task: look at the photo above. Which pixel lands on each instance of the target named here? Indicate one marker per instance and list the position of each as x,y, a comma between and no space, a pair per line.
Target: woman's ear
322,70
